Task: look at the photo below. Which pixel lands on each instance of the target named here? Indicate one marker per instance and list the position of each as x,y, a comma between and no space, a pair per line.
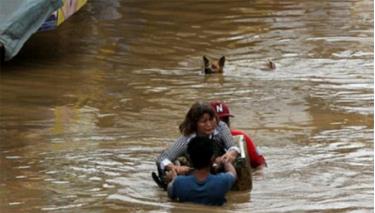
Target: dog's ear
222,61
206,61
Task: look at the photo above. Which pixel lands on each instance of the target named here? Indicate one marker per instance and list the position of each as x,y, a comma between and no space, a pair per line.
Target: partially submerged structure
19,19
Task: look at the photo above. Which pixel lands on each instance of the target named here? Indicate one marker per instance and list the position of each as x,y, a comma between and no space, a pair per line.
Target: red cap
221,109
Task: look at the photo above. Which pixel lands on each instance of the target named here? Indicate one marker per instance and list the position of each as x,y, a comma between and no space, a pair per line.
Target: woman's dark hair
197,110
200,150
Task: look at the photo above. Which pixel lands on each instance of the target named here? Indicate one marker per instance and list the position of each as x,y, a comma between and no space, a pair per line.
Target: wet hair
200,151
197,110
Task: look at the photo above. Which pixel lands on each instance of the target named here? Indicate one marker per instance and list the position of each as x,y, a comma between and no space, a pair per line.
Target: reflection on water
85,109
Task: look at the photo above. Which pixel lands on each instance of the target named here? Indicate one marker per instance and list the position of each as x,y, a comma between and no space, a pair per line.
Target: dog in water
217,66
213,66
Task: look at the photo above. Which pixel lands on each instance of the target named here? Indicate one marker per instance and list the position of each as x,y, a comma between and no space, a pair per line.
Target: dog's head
213,66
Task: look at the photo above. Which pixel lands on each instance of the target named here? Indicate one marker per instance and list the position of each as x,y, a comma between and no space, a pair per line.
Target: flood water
85,109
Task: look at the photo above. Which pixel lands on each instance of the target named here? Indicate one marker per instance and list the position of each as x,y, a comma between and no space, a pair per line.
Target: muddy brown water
86,108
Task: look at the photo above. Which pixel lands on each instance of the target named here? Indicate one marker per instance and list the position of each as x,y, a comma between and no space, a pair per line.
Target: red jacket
256,159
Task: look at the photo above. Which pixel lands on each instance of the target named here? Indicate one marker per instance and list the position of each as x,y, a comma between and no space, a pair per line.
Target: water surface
85,109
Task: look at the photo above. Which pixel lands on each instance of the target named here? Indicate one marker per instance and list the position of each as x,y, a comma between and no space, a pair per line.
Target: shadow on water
86,108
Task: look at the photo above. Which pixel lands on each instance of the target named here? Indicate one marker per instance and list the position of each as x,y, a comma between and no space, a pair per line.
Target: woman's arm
232,150
169,155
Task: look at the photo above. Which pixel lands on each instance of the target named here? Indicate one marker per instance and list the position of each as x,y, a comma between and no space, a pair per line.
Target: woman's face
206,125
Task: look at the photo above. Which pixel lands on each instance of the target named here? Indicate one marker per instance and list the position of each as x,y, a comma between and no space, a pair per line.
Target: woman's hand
230,156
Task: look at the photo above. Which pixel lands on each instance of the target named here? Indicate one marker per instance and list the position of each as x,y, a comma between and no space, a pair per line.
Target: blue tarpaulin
19,19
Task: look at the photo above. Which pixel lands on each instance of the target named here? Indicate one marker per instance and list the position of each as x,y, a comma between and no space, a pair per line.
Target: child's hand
180,170
183,170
